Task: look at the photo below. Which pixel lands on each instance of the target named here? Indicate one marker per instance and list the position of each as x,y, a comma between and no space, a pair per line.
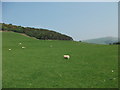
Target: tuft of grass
41,64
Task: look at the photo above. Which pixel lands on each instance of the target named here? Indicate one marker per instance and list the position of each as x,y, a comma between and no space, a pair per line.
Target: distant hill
39,33
103,40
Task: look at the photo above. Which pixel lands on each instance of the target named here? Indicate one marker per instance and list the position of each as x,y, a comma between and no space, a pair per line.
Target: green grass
0,60
42,66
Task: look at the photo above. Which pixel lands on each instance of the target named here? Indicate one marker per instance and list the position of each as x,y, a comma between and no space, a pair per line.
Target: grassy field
41,64
0,60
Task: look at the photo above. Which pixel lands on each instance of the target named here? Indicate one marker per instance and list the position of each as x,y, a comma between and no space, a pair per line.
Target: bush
43,34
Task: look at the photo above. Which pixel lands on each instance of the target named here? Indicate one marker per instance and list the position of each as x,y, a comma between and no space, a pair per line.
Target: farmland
41,64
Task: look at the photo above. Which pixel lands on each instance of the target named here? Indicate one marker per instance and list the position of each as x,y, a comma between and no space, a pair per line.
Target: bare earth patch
28,36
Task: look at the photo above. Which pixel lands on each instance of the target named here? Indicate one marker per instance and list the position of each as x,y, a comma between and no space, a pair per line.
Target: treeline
42,34
116,43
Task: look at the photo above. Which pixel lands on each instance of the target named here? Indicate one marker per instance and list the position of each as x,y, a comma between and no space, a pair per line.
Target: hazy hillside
104,40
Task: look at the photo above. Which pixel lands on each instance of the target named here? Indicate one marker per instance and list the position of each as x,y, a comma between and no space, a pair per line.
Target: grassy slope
0,60
42,66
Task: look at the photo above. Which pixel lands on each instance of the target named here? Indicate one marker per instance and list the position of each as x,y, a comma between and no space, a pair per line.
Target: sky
80,20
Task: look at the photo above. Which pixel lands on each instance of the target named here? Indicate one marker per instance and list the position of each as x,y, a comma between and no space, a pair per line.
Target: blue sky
80,20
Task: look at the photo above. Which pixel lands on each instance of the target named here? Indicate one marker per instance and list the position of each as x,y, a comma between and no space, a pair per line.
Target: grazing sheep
20,43
66,56
23,47
9,49
112,70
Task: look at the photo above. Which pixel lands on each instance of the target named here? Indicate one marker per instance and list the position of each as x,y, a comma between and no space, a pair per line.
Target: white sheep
23,47
112,70
9,49
66,56
20,43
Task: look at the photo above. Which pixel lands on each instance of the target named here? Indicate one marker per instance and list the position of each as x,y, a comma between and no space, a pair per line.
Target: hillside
42,34
41,64
104,40
0,60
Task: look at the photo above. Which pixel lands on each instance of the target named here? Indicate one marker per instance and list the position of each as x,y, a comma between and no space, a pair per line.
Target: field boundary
21,34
